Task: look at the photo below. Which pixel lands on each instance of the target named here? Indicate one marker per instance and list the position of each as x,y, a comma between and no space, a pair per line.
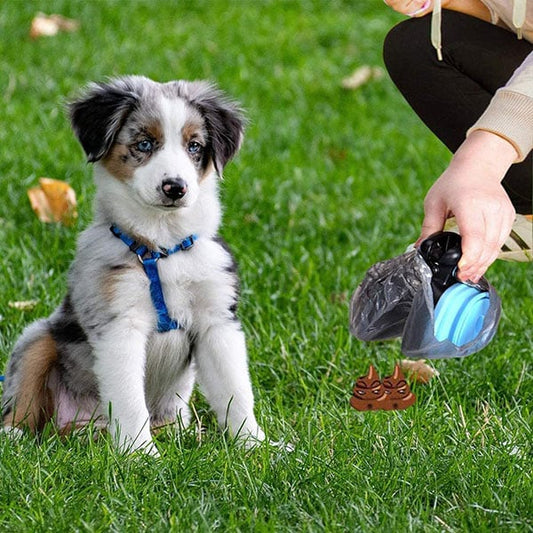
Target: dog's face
159,140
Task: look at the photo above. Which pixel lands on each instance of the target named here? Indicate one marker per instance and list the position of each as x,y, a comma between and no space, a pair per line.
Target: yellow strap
519,15
436,36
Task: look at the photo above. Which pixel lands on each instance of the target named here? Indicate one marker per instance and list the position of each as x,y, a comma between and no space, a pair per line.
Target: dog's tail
28,402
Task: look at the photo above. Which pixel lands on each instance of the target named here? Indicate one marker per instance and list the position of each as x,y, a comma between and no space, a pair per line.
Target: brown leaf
48,25
26,305
361,76
419,370
53,201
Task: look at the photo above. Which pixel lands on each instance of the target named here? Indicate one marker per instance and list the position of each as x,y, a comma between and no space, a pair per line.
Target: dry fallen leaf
53,201
419,370
361,76
26,305
48,25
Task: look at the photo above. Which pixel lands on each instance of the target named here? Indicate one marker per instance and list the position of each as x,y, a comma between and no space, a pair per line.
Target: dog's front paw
12,432
141,443
250,437
282,446
253,440
146,448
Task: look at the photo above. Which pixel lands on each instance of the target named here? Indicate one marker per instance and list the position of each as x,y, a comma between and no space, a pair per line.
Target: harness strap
149,259
164,322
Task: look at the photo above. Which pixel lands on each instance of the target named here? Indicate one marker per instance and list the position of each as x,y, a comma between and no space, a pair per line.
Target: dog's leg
224,378
27,401
119,367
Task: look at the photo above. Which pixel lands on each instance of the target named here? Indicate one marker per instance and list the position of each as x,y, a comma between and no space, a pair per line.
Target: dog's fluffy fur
99,356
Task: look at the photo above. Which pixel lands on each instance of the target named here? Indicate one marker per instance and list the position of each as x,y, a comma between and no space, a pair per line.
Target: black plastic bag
397,298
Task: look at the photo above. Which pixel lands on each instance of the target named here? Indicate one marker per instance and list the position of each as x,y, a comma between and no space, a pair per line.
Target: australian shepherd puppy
152,292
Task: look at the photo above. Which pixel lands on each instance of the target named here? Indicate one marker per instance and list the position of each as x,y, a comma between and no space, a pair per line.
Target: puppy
152,292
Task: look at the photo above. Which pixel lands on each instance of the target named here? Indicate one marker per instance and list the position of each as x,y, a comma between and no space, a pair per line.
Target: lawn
327,183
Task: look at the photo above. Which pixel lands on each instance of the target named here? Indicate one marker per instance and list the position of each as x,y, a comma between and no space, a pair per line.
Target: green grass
328,182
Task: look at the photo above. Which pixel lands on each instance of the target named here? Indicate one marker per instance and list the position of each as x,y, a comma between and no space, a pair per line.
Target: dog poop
366,391
392,393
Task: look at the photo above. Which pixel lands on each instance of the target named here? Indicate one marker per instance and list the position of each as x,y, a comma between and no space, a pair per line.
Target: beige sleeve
510,112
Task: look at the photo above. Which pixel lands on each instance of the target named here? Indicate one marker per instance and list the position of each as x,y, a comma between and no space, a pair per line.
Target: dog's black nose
174,188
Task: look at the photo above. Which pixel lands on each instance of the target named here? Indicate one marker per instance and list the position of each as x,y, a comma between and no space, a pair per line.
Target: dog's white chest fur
197,281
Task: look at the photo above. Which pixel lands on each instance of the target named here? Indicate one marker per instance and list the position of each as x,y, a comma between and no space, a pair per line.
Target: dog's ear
224,119
98,115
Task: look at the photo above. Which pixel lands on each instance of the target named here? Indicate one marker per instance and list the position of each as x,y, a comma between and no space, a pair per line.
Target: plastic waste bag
416,296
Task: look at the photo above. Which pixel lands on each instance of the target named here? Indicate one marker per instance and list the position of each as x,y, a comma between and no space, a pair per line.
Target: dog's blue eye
194,147
145,146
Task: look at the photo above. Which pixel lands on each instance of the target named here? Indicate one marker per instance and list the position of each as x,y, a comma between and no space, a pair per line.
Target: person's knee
405,44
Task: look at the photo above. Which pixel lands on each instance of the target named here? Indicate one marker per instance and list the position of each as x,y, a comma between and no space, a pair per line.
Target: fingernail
464,276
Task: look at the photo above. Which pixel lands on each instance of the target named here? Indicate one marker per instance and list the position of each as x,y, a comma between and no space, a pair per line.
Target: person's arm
510,112
470,189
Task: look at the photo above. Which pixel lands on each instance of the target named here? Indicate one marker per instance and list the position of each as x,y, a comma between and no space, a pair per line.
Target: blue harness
149,259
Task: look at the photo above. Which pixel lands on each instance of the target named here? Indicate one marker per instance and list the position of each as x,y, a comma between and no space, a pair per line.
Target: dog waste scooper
416,296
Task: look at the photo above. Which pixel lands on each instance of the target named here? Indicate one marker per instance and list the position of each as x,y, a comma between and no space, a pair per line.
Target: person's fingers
483,230
410,7
491,246
435,215
494,241
472,244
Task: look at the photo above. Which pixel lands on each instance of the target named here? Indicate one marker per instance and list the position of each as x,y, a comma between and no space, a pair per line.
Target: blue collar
149,259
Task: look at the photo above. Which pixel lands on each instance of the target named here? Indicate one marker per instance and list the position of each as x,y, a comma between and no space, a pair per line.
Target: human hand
470,189
419,8
412,8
